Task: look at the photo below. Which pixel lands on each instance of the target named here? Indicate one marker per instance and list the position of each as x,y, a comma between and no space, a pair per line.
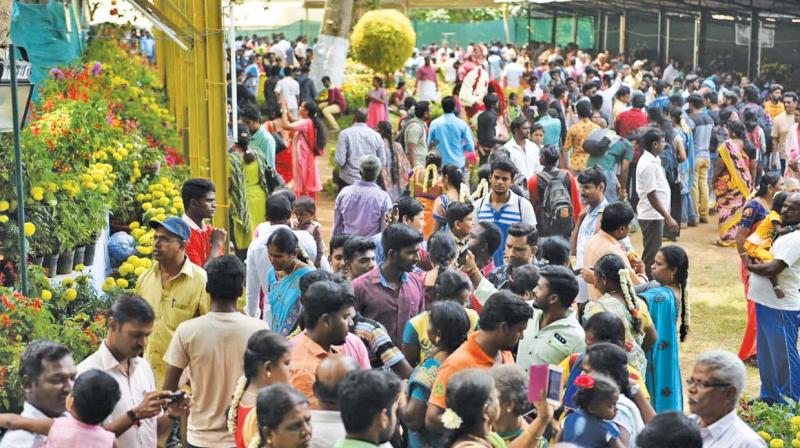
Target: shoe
692,224
703,220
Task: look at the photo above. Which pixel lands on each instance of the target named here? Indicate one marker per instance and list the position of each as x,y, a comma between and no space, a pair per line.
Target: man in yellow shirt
174,287
774,104
572,154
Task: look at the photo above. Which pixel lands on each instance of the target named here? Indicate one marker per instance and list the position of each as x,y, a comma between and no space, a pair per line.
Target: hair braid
626,285
685,313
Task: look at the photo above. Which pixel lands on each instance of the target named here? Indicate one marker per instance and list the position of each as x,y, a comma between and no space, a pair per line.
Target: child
590,424
513,110
94,396
759,243
305,211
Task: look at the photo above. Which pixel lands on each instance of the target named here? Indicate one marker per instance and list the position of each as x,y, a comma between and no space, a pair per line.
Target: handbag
280,143
274,180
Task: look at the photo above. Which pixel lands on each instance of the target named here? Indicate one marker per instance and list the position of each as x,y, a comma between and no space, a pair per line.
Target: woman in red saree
308,142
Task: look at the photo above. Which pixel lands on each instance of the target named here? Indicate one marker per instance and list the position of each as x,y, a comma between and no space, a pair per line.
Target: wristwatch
132,415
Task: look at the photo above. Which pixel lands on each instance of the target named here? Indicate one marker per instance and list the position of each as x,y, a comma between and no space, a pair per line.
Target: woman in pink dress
378,108
308,142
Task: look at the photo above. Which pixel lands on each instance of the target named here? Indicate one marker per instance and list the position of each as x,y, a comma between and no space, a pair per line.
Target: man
326,422
261,141
359,256
715,387
415,134
778,358
200,203
774,104
46,372
336,252
633,118
328,314
409,212
483,242
654,196
307,90
460,223
353,144
663,90
559,102
288,90
609,151
389,293
512,74
556,205
335,104
553,332
502,206
550,123
370,411
593,185
524,153
487,125
174,287
503,320
572,154
196,345
701,134
279,211
784,133
451,135
615,225
621,101
137,417
520,250
359,208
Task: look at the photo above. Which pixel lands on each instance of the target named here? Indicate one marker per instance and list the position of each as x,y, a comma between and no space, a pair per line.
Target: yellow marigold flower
147,206
46,294
122,283
144,250
139,271
80,267
4,205
52,187
134,225
776,443
3,219
37,193
70,295
103,189
30,229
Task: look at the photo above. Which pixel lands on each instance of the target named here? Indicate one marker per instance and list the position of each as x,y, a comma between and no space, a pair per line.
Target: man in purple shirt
359,208
389,293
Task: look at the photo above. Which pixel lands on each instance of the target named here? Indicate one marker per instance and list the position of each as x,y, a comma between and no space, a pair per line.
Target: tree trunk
332,46
5,24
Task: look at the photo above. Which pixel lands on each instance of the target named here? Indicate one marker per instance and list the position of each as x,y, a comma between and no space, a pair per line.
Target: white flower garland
481,189
463,194
451,420
474,87
233,411
627,285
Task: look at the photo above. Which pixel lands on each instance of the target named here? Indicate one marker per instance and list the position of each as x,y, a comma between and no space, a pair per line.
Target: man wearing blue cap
174,287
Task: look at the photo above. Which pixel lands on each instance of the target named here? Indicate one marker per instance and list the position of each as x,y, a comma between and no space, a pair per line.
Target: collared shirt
133,387
359,209
289,90
469,356
587,229
729,432
198,249
551,344
263,142
525,158
328,431
552,130
376,299
602,243
454,138
335,97
303,362
650,177
574,142
183,298
258,266
382,351
516,209
24,439
354,143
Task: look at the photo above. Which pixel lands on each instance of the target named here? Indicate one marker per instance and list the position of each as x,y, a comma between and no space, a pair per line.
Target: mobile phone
545,377
177,396
462,257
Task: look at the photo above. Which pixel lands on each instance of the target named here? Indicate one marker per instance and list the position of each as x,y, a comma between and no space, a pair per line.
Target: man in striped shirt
502,206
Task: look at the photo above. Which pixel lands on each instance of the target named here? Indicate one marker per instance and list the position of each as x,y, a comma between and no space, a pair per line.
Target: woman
283,418
307,143
753,213
425,186
266,362
397,167
667,301
448,328
683,139
248,190
289,265
453,183
427,85
377,109
473,408
512,388
612,278
732,183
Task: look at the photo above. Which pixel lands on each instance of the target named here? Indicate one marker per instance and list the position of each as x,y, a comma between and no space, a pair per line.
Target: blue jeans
778,358
688,212
611,186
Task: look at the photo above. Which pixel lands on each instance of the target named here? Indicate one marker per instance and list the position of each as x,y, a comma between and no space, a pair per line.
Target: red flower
584,382
635,313
114,12
6,320
9,306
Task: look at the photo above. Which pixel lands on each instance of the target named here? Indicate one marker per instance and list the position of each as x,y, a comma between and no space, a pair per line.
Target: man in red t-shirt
633,118
200,203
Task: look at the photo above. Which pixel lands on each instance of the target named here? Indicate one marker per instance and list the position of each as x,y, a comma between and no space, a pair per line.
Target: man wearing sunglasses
714,388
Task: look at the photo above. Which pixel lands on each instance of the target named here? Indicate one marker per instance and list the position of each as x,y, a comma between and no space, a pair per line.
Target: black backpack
557,213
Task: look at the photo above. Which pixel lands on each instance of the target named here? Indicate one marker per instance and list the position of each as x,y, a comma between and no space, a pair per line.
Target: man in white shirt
137,415
512,74
46,371
524,153
288,90
775,289
654,196
716,384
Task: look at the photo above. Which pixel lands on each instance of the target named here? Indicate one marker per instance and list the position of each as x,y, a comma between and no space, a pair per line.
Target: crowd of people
465,251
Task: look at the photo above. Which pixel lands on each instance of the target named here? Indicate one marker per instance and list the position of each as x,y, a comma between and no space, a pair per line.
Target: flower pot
88,255
65,262
38,260
78,258
51,265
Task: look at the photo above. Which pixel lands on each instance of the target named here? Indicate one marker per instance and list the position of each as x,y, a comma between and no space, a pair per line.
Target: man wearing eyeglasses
716,384
174,287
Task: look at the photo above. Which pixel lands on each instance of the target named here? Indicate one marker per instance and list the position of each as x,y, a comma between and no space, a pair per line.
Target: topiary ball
383,39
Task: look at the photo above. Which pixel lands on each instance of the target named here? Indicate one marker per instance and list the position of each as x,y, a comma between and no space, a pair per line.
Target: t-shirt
703,127
786,249
513,73
68,432
198,248
218,340
289,90
622,150
650,177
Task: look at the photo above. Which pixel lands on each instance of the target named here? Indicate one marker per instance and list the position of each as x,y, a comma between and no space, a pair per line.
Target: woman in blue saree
667,300
289,265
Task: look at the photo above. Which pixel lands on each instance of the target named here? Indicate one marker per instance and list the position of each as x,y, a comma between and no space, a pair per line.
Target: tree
332,45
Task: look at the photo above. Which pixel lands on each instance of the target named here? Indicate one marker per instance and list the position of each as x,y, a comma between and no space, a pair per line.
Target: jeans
700,187
652,232
688,212
611,186
778,358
